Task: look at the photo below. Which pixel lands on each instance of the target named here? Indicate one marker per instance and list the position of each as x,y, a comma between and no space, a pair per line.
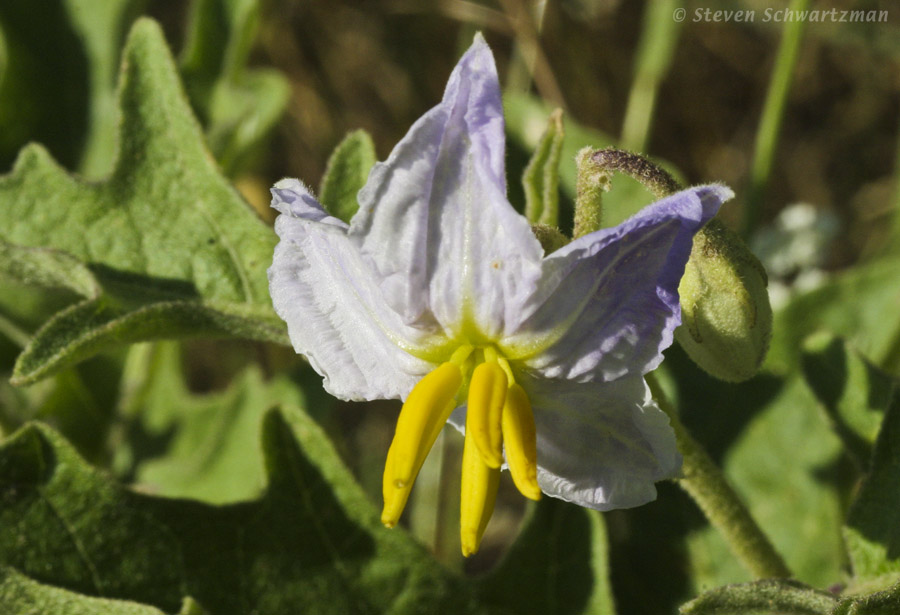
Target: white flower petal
331,302
434,221
601,445
608,301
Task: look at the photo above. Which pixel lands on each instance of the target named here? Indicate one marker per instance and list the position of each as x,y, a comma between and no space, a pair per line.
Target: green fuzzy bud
725,311
551,238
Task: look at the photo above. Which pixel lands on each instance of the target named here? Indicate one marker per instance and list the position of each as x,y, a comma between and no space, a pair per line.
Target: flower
438,293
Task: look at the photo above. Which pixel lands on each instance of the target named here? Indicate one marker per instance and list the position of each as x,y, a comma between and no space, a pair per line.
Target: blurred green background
695,89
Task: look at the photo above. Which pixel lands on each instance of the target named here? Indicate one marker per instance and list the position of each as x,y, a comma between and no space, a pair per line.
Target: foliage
130,485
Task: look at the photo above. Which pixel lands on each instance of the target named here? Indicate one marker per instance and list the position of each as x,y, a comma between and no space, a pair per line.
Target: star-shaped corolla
438,293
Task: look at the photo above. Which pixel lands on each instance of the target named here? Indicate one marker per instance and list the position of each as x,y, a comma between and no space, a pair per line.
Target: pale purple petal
329,298
602,446
434,222
608,301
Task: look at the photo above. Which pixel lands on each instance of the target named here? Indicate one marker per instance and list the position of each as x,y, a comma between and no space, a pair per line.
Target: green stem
590,184
13,332
773,112
655,52
706,484
446,531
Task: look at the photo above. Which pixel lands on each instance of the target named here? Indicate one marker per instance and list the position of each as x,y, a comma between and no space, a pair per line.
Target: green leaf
73,113
854,393
873,524
46,268
204,446
541,177
752,430
20,595
347,171
885,602
859,304
68,401
172,247
239,106
777,597
558,564
313,539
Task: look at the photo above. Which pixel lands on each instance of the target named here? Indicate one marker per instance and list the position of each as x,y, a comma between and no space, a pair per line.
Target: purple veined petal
330,300
608,302
434,221
601,445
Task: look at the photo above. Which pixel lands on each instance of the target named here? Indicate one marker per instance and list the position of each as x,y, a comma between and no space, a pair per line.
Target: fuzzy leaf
46,268
173,248
20,595
541,177
313,535
347,171
885,602
779,597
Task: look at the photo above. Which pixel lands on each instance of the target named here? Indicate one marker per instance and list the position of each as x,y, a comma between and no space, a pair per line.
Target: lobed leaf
173,249
312,535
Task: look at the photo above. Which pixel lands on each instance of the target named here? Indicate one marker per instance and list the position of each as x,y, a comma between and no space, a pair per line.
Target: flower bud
725,311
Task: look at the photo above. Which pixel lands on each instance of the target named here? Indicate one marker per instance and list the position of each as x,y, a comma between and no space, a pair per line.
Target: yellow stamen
423,415
394,498
520,440
487,393
478,494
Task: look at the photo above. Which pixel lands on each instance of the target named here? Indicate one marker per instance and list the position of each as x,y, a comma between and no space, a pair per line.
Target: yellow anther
423,415
487,393
520,440
394,497
478,494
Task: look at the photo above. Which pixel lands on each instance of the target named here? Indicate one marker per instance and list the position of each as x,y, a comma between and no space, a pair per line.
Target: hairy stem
707,485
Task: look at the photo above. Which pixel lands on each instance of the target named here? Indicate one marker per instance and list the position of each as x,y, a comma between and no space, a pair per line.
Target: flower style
438,293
